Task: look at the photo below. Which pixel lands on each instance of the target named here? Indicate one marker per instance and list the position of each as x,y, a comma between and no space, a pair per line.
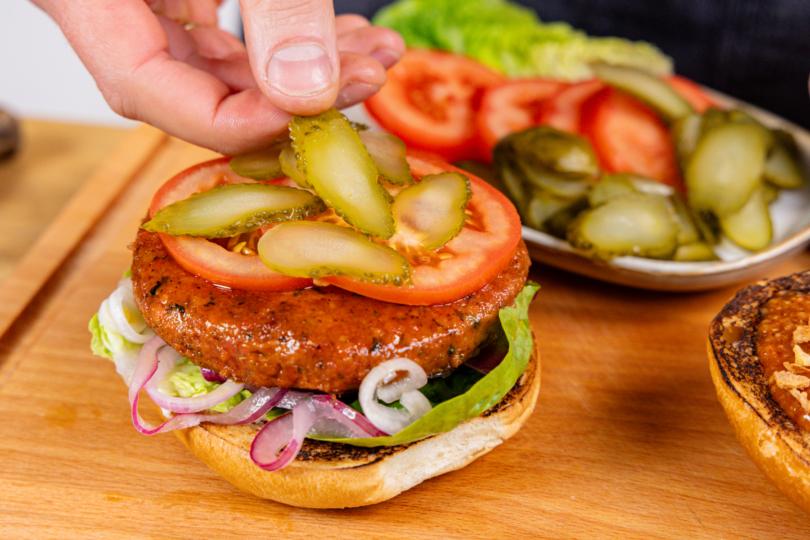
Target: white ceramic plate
790,214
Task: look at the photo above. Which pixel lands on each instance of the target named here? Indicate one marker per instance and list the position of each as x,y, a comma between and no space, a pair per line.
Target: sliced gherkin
551,150
608,187
648,88
726,167
685,133
688,232
695,252
432,211
783,166
261,165
315,249
750,227
633,224
290,168
336,164
388,153
543,206
234,209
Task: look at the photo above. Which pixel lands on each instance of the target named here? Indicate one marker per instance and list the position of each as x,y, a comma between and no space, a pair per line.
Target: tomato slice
466,263
208,259
562,111
628,136
692,92
512,107
430,102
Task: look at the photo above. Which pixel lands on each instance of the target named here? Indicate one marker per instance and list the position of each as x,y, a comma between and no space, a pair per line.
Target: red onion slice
320,415
190,404
212,376
246,412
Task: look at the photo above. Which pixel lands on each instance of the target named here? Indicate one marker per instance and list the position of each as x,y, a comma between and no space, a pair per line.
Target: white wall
40,75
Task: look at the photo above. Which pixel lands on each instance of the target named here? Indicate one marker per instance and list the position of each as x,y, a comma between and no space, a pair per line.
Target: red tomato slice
692,92
430,101
477,254
512,107
207,259
628,136
563,110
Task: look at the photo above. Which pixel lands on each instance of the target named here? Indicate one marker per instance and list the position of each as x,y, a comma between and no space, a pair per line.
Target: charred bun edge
330,475
776,444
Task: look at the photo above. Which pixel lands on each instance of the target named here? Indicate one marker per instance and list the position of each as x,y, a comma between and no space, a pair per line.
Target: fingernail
300,70
355,93
386,57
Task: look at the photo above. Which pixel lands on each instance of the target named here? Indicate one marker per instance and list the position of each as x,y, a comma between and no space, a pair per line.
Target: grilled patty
318,338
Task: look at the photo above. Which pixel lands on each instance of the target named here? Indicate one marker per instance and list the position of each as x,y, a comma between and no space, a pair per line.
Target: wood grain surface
627,441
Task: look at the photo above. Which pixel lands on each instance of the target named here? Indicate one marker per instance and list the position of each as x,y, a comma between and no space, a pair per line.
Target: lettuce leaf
485,393
510,38
185,379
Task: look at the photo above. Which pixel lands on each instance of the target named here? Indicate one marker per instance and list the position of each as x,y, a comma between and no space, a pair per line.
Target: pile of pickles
355,208
733,168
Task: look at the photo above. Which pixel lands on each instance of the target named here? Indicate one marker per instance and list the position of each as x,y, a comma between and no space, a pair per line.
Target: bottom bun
776,444
328,475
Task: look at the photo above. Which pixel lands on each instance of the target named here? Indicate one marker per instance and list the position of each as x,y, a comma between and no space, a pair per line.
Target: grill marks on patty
320,339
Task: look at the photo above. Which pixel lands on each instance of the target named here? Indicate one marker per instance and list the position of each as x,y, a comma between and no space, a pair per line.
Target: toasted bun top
779,447
329,475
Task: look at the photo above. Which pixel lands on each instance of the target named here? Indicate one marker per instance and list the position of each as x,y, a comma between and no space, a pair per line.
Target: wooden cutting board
627,440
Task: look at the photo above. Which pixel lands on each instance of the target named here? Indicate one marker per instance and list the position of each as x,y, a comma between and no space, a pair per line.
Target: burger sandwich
330,321
759,352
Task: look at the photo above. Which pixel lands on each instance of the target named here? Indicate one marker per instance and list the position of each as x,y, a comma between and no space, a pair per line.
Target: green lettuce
107,343
186,380
511,38
485,393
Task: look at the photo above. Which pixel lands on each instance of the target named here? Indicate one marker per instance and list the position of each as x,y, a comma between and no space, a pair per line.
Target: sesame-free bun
776,444
328,475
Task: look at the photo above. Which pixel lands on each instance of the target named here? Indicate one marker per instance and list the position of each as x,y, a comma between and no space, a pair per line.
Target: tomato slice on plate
692,92
562,111
628,136
208,259
512,107
466,263
430,102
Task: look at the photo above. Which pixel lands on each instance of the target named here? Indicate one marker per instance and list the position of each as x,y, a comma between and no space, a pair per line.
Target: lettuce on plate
511,38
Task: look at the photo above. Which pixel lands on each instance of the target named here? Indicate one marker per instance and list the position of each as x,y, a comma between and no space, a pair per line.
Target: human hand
199,83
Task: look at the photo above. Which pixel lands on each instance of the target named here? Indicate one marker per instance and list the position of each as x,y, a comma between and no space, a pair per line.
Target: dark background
755,50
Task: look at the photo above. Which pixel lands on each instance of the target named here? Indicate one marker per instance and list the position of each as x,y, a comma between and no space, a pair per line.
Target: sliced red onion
320,415
404,389
249,411
212,376
190,404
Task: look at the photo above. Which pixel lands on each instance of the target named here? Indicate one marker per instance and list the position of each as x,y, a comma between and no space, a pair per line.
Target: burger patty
324,339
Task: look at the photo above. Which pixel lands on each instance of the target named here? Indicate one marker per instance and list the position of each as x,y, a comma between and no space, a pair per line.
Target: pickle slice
431,212
544,206
336,164
289,167
234,209
685,133
544,148
782,167
688,232
645,87
698,251
608,187
261,165
632,224
388,153
315,249
726,167
750,227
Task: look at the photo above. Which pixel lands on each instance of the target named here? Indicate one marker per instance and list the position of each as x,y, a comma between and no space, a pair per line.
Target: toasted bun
778,446
327,475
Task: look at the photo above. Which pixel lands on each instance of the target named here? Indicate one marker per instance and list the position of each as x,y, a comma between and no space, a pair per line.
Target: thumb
293,53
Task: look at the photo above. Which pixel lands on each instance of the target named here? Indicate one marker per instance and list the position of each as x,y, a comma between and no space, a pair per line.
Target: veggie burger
330,321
